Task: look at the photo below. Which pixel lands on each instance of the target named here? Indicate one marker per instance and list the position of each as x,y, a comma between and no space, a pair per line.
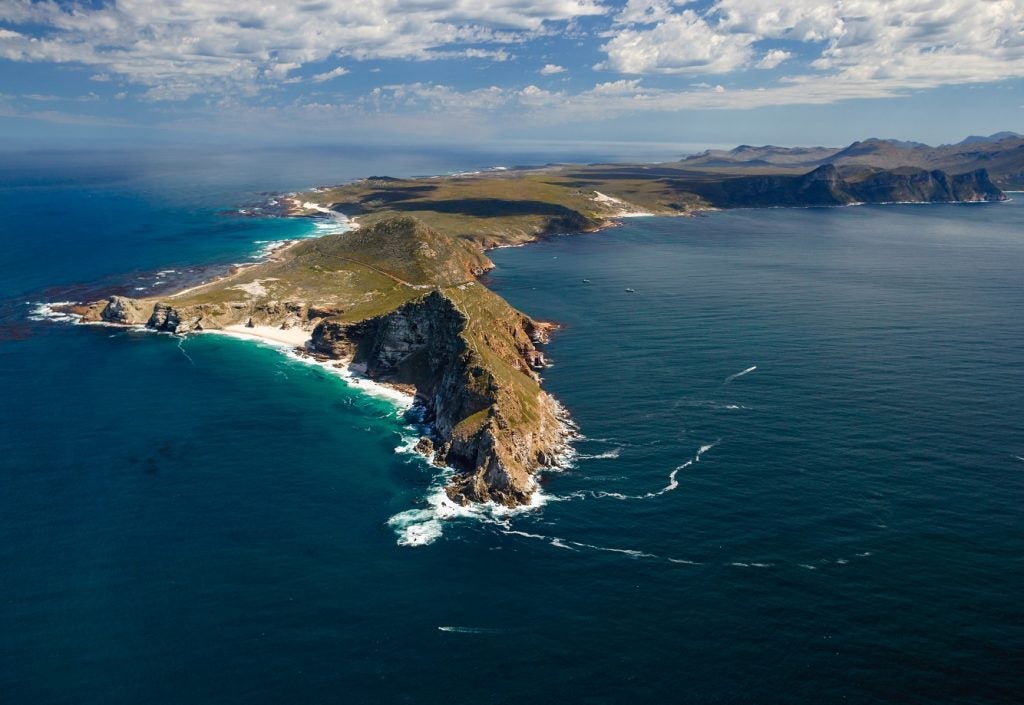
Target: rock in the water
425,446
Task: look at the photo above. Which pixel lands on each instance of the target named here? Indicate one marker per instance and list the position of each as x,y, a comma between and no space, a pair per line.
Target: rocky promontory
400,302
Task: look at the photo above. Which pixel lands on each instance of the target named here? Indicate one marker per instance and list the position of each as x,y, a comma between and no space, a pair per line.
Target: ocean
800,481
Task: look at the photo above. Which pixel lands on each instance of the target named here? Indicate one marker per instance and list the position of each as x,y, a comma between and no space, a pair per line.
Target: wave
330,221
46,312
747,371
423,526
607,455
352,376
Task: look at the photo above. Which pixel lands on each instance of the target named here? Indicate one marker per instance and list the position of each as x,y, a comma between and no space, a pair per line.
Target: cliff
829,186
491,420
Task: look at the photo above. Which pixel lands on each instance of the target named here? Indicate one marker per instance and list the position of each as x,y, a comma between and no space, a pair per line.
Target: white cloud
681,43
830,50
773,58
435,97
644,12
178,48
328,75
862,47
623,87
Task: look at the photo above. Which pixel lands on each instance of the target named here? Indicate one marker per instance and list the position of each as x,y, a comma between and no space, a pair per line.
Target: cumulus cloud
681,43
896,44
720,54
179,48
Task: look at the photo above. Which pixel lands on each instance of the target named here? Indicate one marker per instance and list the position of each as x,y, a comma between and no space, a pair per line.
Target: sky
713,73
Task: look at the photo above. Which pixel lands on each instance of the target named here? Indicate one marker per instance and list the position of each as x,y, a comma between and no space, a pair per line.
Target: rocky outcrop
122,310
492,421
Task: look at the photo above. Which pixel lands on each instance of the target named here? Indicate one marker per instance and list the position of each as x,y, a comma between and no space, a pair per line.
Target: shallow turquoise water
206,520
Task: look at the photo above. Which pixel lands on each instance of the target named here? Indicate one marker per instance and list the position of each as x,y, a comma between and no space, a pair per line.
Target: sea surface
801,481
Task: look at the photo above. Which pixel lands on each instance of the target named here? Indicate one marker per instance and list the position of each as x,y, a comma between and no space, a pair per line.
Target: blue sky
485,71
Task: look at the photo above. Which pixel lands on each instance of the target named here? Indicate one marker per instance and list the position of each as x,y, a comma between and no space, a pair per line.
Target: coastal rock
424,446
120,309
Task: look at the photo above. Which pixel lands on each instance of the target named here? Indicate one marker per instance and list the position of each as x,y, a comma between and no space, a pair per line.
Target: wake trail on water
181,346
575,545
475,630
747,371
673,481
568,544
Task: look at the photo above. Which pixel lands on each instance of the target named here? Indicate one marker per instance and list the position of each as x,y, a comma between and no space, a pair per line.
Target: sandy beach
292,337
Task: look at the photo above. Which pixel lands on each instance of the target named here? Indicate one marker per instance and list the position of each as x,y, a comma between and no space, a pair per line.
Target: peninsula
399,297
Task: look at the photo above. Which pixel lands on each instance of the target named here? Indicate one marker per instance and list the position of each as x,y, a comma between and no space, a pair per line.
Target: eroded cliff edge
400,301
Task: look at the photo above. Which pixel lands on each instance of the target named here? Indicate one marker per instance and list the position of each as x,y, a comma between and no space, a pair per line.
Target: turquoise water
838,392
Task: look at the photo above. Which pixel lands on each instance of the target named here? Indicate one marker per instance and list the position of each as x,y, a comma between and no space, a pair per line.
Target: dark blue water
205,520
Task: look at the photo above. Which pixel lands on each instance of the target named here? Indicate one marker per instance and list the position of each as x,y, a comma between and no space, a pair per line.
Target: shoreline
294,342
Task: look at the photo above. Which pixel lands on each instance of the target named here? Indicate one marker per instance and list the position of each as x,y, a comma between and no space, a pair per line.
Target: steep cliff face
830,186
493,423
919,185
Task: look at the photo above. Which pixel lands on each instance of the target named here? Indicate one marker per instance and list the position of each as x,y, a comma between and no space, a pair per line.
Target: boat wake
747,371
673,481
475,630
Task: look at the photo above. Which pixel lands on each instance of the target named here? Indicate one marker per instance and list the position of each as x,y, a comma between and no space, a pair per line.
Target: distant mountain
768,155
976,139
1001,155
1002,158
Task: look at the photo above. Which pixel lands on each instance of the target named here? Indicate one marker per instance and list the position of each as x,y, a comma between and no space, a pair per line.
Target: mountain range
1000,154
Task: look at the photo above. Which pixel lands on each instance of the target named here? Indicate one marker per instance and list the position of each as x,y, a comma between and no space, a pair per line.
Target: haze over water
801,480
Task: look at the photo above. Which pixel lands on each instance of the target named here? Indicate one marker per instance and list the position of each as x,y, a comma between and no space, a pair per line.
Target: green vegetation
510,208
